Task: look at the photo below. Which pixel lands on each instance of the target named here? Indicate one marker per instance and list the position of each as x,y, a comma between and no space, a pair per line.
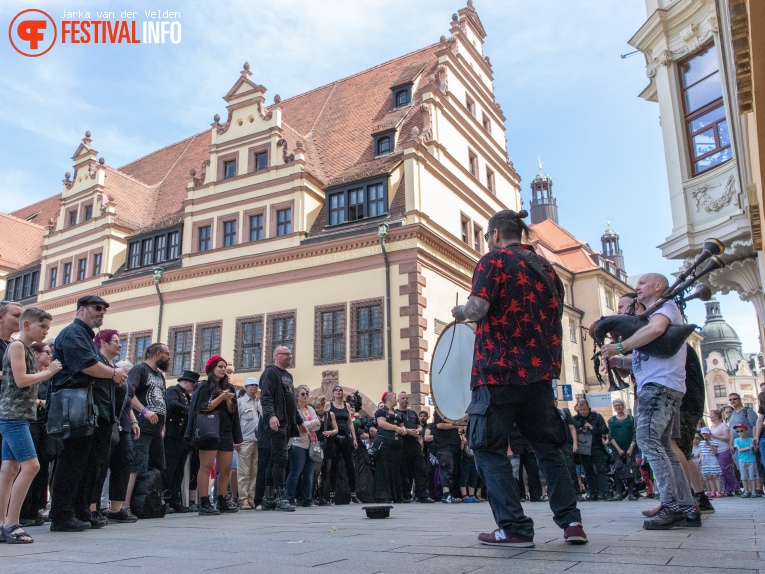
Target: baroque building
726,369
705,68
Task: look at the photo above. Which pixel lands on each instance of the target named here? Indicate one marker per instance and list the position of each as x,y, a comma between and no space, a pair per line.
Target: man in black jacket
176,448
77,462
412,459
591,428
277,399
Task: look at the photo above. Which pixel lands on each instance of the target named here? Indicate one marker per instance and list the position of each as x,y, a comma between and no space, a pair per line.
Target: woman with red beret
390,428
215,394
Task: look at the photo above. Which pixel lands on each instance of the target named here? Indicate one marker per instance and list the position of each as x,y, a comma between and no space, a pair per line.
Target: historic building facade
341,223
726,369
704,69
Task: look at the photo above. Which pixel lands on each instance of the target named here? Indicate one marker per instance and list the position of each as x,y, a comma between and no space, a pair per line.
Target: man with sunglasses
82,365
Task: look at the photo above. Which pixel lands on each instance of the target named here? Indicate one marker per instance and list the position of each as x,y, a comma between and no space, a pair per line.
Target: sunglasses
98,308
303,394
486,235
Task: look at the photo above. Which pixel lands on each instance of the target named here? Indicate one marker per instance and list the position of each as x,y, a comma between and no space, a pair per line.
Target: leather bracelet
114,374
133,423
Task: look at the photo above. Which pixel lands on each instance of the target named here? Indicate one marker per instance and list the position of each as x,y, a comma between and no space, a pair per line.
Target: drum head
450,372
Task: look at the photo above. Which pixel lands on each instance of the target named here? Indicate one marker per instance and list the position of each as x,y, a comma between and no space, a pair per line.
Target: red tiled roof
559,246
41,211
335,123
20,242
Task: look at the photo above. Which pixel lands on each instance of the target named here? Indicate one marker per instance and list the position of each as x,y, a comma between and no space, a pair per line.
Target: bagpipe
621,327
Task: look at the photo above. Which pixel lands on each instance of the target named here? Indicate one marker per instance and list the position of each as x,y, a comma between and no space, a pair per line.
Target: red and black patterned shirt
518,341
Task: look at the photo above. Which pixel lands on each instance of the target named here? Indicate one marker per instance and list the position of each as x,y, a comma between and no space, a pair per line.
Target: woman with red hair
390,428
216,394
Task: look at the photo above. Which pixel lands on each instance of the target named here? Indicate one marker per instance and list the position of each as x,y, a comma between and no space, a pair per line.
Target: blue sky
565,91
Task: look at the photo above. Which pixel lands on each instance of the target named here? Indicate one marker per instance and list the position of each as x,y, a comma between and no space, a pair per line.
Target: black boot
206,508
354,498
281,501
268,499
331,498
223,505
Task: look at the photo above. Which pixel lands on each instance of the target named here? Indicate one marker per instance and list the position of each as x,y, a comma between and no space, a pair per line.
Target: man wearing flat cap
77,464
247,468
177,400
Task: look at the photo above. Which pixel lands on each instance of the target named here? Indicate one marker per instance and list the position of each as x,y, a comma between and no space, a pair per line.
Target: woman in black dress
345,443
326,436
390,429
216,394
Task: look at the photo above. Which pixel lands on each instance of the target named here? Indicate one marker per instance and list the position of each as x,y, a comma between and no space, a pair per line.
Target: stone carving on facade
441,78
68,181
703,199
714,24
664,58
52,224
287,157
427,123
107,204
93,167
201,179
266,115
690,37
328,381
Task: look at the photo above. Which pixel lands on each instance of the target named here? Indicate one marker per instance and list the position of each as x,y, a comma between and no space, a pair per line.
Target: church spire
543,204
611,249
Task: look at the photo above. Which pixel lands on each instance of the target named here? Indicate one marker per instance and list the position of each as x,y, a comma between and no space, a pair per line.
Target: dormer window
357,200
384,145
402,95
402,98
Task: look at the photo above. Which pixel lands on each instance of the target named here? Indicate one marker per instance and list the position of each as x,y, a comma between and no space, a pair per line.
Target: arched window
384,145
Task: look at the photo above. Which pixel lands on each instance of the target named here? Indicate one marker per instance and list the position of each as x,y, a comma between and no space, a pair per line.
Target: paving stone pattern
416,539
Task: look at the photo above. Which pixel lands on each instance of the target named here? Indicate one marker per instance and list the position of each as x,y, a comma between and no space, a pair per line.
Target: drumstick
454,330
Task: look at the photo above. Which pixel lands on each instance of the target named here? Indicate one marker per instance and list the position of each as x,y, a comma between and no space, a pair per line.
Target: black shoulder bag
71,413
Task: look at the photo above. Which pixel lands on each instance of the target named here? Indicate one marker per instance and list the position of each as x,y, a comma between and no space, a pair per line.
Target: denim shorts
17,440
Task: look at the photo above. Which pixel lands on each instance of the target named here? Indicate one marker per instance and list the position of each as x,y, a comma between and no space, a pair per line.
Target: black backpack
147,501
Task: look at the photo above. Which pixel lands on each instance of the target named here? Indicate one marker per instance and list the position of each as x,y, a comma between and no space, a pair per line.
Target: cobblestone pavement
417,538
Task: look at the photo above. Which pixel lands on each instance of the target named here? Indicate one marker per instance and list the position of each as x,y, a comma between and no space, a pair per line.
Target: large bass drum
450,372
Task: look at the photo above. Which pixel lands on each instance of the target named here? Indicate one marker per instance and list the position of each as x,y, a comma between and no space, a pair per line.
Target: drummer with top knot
660,391
517,301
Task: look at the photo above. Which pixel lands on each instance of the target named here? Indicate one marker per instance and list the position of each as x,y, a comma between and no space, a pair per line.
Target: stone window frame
252,152
197,359
246,238
353,351
125,339
69,213
64,262
490,181
195,234
222,160
576,372
486,122
134,336
269,347
82,217
220,227
238,336
93,269
477,235
50,278
467,223
274,210
317,333
473,167
172,333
